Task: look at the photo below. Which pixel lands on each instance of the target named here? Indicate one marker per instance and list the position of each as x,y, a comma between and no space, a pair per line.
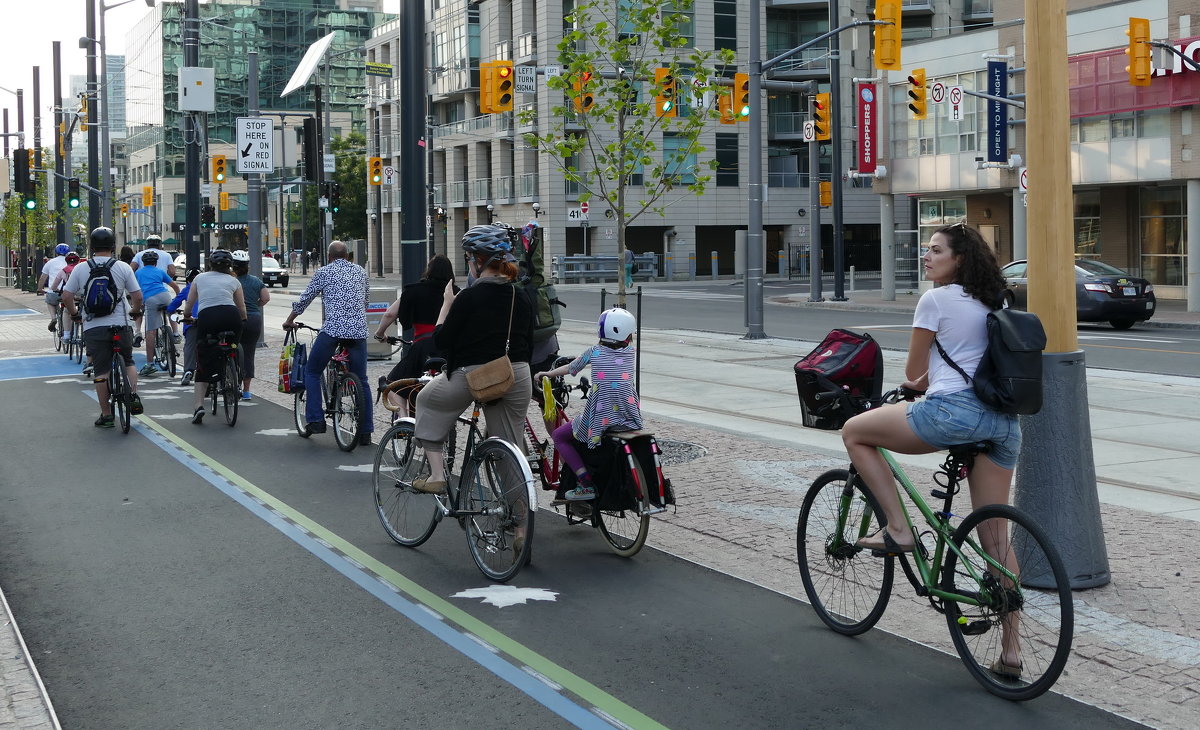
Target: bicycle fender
526,472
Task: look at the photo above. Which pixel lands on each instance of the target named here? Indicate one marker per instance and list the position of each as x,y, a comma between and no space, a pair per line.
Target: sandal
1006,670
882,542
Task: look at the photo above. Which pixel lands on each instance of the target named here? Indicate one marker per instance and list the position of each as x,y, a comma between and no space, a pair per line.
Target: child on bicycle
613,403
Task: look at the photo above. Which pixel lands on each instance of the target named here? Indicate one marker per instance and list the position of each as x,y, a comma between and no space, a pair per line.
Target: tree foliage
620,43
351,221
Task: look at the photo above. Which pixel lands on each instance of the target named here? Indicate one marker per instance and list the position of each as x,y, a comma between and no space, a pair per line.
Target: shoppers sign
997,112
867,129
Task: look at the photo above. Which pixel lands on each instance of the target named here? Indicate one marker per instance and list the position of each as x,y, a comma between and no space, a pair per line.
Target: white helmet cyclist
241,255
616,325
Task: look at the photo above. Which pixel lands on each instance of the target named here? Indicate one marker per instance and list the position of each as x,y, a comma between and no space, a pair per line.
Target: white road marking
275,432
169,416
69,380
1126,339
503,596
366,468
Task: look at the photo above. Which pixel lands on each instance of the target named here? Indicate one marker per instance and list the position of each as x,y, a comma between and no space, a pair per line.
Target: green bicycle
1013,593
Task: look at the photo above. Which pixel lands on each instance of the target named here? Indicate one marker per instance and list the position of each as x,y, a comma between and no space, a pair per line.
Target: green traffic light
745,111
668,105
73,202
30,204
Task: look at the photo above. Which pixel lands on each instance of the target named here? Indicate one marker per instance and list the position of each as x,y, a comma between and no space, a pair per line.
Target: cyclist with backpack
101,287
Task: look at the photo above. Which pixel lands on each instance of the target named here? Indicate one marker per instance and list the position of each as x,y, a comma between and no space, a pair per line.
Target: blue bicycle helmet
62,249
489,240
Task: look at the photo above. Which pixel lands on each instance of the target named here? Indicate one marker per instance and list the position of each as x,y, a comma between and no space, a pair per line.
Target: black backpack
542,296
1009,376
100,295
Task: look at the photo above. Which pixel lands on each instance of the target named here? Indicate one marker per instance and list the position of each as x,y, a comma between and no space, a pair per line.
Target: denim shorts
946,419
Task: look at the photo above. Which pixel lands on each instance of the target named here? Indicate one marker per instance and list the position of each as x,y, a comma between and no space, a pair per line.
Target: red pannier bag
839,379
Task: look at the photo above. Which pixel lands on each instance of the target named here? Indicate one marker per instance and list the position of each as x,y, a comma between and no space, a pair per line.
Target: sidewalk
726,411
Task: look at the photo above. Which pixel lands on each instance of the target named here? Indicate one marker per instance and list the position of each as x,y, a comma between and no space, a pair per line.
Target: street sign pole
254,183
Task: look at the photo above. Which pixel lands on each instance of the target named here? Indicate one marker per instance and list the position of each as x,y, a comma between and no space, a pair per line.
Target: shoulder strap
950,362
511,308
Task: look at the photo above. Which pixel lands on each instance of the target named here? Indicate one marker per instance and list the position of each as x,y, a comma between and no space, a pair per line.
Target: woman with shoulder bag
474,328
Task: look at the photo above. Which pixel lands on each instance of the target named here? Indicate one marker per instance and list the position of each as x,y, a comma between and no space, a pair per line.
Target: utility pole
754,219
95,204
835,143
189,121
412,157
1056,480
254,180
60,228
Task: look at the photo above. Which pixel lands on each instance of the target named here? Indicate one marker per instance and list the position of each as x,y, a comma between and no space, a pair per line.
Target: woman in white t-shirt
221,307
969,283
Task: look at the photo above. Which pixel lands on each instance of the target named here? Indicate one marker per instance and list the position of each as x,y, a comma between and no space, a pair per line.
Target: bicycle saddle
979,447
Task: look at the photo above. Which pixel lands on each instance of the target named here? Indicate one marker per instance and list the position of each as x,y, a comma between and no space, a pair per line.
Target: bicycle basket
838,379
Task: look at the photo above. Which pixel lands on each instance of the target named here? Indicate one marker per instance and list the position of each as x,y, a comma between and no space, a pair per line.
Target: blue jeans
318,357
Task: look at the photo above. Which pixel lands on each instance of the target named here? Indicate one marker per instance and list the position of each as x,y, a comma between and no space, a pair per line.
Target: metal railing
528,185
567,269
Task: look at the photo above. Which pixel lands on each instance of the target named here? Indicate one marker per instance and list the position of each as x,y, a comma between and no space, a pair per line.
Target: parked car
181,265
1103,293
273,273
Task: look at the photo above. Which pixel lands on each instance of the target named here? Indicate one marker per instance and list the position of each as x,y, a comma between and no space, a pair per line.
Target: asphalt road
719,308
208,577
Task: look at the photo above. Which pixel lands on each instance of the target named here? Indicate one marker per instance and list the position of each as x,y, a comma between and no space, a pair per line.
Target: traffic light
583,99
31,181
916,93
725,108
495,87
20,171
887,37
826,190
208,216
223,199
147,196
335,197
1139,68
83,114
218,168
822,116
124,210
741,96
73,192
664,93
375,170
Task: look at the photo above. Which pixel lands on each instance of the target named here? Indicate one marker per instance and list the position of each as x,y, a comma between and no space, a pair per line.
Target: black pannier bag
609,468
846,363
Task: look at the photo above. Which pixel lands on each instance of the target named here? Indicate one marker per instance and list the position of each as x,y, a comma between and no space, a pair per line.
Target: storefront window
1163,231
1087,223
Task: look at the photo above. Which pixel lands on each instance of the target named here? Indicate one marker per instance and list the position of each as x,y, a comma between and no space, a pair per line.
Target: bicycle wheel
626,530
497,489
299,399
160,349
231,389
1039,620
408,516
77,338
348,410
118,385
57,334
847,586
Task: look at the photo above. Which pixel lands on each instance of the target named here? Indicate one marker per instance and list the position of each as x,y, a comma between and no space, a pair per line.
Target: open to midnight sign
255,152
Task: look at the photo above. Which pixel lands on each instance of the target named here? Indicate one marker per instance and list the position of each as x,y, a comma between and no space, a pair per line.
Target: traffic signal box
124,210
83,113
582,98
664,93
741,97
822,116
73,192
27,159
917,90
1140,68
495,87
147,196
725,107
335,197
208,216
218,168
223,200
375,170
826,191
20,171
887,37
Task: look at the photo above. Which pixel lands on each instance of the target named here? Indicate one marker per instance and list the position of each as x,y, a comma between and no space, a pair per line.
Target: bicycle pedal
976,628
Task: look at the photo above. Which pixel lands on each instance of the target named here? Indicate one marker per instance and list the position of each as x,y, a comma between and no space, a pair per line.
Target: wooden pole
1051,205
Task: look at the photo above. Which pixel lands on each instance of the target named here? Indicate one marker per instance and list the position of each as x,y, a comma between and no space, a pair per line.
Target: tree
610,54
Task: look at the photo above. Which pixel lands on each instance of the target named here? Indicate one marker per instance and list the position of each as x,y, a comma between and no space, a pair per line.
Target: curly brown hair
978,271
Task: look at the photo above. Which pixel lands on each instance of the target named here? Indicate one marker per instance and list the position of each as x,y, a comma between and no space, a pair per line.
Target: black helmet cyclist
150,258
220,259
493,241
102,239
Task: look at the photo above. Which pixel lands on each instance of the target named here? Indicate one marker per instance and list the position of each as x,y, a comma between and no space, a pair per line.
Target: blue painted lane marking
38,366
16,312
464,643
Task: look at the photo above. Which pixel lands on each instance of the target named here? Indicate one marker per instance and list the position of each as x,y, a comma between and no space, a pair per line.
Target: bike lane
201,585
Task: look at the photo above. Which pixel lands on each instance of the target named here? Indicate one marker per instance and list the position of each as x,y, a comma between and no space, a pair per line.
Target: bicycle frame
929,568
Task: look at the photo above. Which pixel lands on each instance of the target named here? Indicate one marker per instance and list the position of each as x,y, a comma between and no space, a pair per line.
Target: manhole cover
679,452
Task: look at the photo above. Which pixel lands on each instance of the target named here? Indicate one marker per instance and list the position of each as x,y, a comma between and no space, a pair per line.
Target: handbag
292,360
491,380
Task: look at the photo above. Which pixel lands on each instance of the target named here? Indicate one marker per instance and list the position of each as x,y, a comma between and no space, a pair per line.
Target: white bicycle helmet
616,325
240,255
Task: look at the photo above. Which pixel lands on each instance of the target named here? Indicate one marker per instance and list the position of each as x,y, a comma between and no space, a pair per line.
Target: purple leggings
568,448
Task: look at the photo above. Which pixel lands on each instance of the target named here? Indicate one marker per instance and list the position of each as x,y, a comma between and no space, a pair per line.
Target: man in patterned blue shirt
342,287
